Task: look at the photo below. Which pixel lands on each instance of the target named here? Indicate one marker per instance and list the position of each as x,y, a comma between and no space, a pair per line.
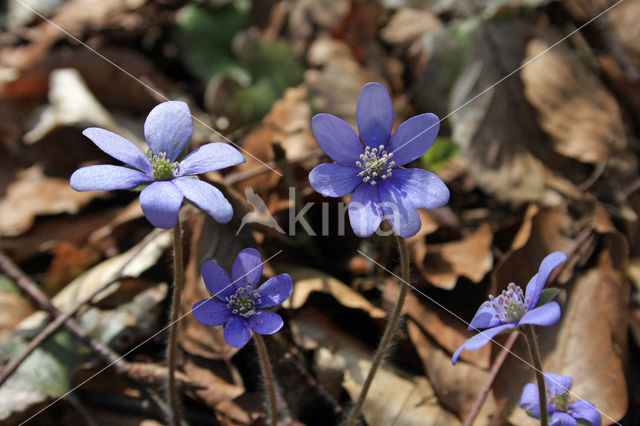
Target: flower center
559,402
244,301
163,168
375,163
511,305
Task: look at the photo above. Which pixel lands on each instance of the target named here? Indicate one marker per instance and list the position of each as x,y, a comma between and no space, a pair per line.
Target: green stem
389,332
268,375
178,280
537,365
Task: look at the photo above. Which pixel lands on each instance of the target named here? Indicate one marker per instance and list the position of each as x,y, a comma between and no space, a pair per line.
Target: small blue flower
239,305
167,130
513,308
562,411
370,166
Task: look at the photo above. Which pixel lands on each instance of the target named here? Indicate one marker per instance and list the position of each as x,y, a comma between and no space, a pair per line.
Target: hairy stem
268,376
178,279
387,337
537,365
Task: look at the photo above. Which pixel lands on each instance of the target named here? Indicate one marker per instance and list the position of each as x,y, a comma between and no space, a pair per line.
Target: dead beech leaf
510,159
471,258
68,261
34,194
394,397
335,87
289,124
13,307
573,106
307,281
448,331
457,386
408,25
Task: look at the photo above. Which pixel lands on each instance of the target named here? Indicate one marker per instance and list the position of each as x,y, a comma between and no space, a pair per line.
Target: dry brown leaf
34,194
448,331
512,158
68,261
335,87
573,107
13,309
393,398
307,15
457,386
307,281
289,124
470,257
408,25
216,393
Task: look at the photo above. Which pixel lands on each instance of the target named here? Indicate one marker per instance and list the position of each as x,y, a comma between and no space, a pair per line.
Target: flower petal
557,384
119,148
485,317
106,178
210,157
207,197
337,139
217,280
211,312
562,419
402,216
530,400
275,291
413,138
168,128
236,332
539,280
247,268
374,114
420,187
365,214
586,410
334,180
479,340
160,204
547,314
265,322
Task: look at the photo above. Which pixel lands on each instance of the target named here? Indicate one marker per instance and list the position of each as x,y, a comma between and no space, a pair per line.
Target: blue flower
513,308
562,411
239,305
167,130
370,166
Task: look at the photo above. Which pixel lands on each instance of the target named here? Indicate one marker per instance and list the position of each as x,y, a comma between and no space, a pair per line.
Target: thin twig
263,355
389,332
475,410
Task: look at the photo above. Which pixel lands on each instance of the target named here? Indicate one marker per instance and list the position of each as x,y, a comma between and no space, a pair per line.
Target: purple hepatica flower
239,304
167,130
371,168
559,406
513,308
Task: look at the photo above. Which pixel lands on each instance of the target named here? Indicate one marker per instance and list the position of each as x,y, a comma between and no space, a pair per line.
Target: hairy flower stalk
172,345
389,332
265,363
537,366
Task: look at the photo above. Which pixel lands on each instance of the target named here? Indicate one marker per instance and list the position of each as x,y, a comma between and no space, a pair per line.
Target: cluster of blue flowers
369,165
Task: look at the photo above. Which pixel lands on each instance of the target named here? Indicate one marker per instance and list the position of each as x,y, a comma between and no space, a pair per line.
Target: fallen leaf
511,160
573,106
307,281
470,257
68,262
408,25
13,307
34,194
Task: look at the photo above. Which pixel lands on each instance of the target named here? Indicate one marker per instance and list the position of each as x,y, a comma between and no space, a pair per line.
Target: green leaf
7,285
548,294
440,153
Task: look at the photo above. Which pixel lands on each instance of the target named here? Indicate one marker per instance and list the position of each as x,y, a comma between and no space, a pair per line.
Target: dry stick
389,332
268,375
475,410
172,346
537,364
